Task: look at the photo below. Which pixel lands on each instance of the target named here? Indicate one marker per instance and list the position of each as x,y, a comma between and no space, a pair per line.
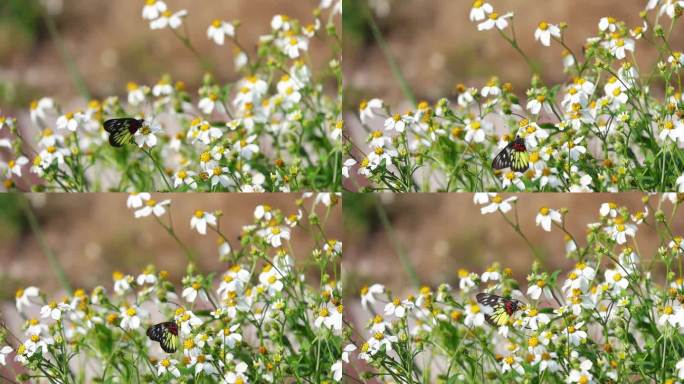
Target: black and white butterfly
498,310
166,334
514,156
121,130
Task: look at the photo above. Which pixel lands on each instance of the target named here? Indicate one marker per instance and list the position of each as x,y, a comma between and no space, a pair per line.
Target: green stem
398,246
394,67
67,58
47,251
169,229
159,168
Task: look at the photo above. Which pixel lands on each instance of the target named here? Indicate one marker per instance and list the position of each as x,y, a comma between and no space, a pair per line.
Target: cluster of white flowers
267,131
254,303
571,329
606,104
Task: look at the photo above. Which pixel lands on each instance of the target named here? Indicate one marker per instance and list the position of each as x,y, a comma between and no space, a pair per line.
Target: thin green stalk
45,247
159,168
169,229
67,58
398,246
394,67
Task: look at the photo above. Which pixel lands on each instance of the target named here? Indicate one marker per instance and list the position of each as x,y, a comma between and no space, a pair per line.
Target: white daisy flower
200,220
168,19
218,30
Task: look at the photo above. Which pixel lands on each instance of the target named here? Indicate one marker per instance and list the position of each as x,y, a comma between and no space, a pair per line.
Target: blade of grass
44,246
398,246
67,58
394,67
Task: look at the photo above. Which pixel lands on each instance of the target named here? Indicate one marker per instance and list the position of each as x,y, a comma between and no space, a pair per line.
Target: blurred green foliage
12,224
21,26
354,24
22,15
12,219
360,214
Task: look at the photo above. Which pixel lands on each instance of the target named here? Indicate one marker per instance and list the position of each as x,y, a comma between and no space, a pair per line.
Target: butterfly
166,334
498,310
121,131
514,156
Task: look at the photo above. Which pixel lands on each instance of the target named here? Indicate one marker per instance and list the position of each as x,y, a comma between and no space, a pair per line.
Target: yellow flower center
533,342
475,308
131,312
544,211
543,25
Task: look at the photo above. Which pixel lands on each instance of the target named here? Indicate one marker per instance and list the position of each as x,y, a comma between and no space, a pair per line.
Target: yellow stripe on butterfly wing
521,161
121,137
500,317
170,342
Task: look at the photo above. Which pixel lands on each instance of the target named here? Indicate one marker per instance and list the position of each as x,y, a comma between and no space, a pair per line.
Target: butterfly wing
498,309
499,317
121,131
166,334
503,159
521,161
514,156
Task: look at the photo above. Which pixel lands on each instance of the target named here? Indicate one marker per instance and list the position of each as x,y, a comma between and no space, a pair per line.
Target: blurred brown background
95,234
444,232
111,44
437,46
